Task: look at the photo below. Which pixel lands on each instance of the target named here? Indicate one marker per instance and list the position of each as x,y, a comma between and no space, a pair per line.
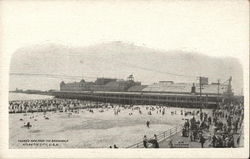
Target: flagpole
200,95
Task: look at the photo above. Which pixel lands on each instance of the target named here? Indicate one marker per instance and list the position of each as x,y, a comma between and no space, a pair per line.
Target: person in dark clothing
220,142
238,140
145,141
202,141
147,123
214,140
236,127
115,146
231,142
28,125
171,145
195,135
191,136
156,142
183,132
209,120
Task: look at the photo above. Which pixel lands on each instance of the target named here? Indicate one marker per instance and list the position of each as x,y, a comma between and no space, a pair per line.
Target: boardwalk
186,141
208,144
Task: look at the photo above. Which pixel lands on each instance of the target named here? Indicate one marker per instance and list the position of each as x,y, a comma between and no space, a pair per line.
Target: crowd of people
154,142
56,104
220,129
64,105
228,121
74,105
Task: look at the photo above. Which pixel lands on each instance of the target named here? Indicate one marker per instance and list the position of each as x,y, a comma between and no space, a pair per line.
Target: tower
131,77
193,91
229,88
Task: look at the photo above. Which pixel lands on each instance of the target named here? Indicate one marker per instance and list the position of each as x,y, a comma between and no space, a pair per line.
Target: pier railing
161,137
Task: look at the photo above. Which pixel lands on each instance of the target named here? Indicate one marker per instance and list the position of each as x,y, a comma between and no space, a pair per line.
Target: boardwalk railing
161,137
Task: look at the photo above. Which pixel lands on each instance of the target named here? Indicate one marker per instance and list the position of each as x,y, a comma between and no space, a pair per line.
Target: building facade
162,93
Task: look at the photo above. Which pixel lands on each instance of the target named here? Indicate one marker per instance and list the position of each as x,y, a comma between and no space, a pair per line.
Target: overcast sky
214,28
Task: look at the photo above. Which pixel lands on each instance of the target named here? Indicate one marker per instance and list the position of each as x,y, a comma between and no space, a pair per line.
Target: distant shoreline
39,93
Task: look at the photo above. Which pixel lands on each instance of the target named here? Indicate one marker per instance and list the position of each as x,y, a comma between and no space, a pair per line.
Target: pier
145,98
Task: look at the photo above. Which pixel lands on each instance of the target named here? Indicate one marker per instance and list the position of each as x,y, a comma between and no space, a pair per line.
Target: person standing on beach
147,123
191,136
156,141
171,145
214,140
202,141
145,141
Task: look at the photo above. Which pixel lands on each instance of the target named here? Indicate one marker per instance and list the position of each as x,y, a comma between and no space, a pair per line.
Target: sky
214,28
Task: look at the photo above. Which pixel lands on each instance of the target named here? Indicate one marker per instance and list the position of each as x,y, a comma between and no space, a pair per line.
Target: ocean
22,96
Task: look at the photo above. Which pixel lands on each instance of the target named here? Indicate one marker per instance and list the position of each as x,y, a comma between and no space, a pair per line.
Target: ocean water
22,96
